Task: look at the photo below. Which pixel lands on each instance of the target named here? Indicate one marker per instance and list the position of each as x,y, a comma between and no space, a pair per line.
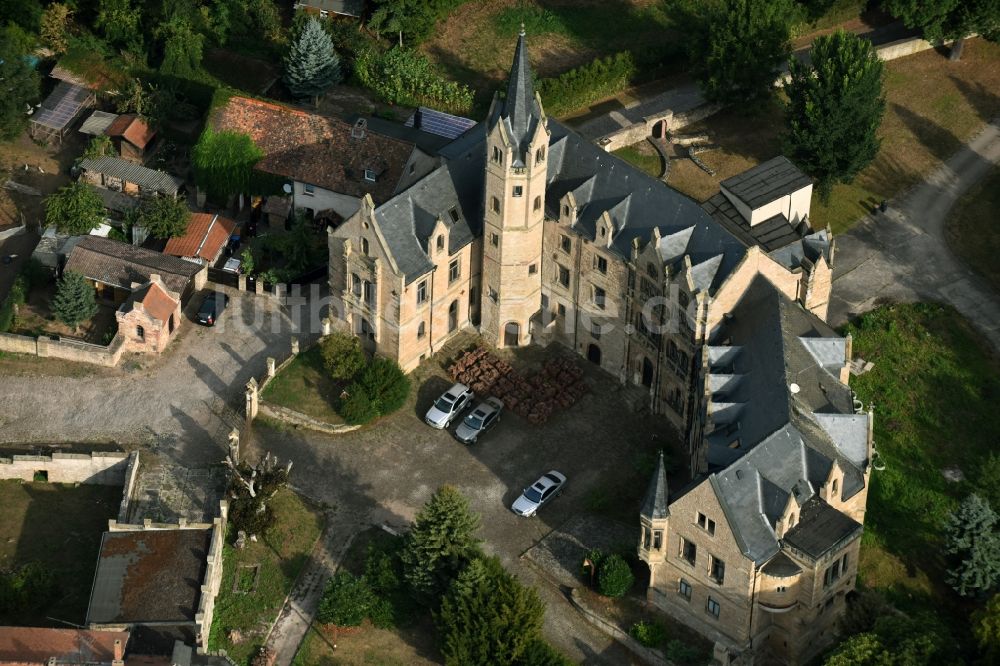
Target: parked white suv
452,403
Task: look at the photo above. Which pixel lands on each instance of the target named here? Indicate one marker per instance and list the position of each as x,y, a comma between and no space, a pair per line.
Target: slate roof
156,301
771,234
149,576
120,264
321,151
36,645
774,393
821,529
147,179
655,506
766,182
519,110
133,129
781,566
205,237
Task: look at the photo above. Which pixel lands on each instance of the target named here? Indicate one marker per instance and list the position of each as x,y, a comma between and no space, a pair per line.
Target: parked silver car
479,420
448,406
540,492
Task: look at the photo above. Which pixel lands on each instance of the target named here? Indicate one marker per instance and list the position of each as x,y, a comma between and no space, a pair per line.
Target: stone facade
150,318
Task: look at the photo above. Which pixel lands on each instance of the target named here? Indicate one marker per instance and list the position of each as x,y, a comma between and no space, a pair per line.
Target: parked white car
540,492
452,403
479,420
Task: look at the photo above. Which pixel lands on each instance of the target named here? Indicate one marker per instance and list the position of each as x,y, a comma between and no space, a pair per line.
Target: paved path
902,255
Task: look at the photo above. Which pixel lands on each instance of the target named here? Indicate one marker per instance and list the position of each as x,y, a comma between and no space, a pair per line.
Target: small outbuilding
150,317
120,175
131,136
206,238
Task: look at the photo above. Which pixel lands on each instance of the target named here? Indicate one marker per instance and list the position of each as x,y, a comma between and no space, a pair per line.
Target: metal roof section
766,182
147,179
98,122
62,105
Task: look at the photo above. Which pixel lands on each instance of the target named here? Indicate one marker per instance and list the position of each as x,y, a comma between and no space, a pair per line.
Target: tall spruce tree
946,20
488,617
440,545
834,110
312,66
972,540
74,301
736,47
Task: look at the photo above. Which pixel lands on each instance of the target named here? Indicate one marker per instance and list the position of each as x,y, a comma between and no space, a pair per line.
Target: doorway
453,316
594,354
647,373
511,334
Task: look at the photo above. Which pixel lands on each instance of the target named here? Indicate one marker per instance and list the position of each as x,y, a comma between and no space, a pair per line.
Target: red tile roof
206,235
33,645
133,129
322,151
156,301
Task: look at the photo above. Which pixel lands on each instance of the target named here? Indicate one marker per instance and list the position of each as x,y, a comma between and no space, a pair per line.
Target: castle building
529,234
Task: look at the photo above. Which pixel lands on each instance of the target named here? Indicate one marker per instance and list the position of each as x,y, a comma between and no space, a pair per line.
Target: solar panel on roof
440,123
62,105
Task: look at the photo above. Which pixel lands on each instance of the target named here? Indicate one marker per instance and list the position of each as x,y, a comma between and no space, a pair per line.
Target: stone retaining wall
298,419
647,655
107,468
131,475
65,348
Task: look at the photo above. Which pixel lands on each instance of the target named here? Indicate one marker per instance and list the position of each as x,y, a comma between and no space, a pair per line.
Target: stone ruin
558,386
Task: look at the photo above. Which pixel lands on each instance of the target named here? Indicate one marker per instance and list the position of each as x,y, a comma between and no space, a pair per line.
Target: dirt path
902,255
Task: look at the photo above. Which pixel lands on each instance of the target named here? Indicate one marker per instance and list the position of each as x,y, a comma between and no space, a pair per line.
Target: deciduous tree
119,22
342,355
74,209
19,85
75,301
736,47
441,544
835,107
182,49
946,20
973,543
54,27
223,163
487,617
164,217
312,66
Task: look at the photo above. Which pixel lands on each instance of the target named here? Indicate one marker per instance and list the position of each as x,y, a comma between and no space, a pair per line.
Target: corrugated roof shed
147,179
98,122
133,129
120,264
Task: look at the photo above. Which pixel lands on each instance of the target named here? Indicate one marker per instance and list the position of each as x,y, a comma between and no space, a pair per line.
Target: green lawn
60,526
280,556
643,156
972,228
934,388
412,643
306,387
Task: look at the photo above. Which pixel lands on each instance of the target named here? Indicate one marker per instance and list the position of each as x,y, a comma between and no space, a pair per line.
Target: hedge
401,76
601,78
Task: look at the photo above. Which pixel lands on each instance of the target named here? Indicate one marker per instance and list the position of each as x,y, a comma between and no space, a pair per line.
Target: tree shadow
985,102
938,140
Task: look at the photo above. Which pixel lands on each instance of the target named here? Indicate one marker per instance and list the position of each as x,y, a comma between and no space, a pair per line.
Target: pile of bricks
558,386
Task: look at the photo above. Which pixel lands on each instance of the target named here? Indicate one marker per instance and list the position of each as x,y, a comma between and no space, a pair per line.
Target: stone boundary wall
131,476
106,468
639,131
66,349
294,418
213,578
647,655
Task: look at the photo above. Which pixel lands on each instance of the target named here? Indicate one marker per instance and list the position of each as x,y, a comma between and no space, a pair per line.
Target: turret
654,518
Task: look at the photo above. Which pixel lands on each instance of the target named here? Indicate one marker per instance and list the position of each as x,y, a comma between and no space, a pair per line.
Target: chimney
119,653
155,277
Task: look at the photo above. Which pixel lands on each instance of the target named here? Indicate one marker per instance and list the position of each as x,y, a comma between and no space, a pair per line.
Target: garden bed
35,318
306,386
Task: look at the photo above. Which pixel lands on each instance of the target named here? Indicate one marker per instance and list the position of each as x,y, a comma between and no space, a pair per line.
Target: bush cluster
650,634
586,84
614,575
401,76
375,387
26,589
33,274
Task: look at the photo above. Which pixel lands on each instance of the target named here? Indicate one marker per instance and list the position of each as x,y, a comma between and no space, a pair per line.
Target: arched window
140,332
537,205
540,155
422,329
833,486
651,270
364,246
440,242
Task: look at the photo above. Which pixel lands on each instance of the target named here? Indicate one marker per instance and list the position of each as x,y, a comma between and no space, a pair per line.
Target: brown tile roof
206,235
33,645
120,264
316,149
156,301
133,129
149,576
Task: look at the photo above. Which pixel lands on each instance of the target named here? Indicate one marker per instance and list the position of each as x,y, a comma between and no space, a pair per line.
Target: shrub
382,613
357,409
679,652
400,76
650,634
346,602
539,653
74,209
588,83
614,576
342,356
385,384
26,589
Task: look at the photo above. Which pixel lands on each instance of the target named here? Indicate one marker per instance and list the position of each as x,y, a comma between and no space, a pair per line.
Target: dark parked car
212,308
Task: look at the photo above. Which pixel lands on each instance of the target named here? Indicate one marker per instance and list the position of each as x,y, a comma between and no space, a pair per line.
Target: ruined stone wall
100,467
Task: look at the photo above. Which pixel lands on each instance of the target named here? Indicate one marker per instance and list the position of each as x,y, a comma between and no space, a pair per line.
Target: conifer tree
440,545
973,542
488,617
312,66
834,110
74,301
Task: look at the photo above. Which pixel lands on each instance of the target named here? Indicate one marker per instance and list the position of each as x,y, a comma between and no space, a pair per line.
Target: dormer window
453,214
651,270
370,175
540,155
440,242
497,155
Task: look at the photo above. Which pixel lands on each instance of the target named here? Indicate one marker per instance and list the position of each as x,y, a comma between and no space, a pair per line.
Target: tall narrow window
689,551
565,244
601,264
140,332
713,608
421,330
422,293
684,589
497,155
600,297
540,155
495,239
356,285
495,204
537,205
718,572
563,276
365,249
440,242
454,271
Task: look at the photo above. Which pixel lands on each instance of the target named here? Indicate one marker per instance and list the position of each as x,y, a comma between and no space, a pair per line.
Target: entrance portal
511,334
594,354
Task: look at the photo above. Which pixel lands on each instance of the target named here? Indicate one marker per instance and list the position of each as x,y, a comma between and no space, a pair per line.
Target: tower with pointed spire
516,151
654,519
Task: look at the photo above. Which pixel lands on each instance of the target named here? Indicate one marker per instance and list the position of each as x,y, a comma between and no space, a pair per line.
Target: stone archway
511,334
594,354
